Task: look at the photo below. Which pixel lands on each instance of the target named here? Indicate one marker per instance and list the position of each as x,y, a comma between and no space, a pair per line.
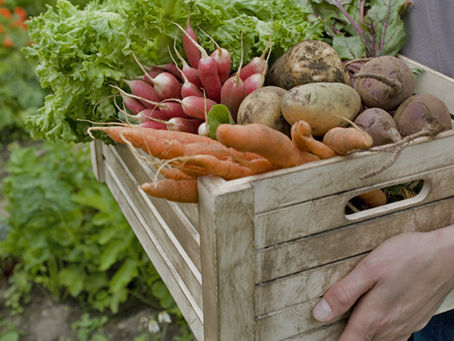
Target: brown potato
307,62
264,106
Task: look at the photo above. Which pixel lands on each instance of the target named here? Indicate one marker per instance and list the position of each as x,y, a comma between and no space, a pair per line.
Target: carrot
174,173
155,142
344,140
301,133
223,168
374,198
264,141
174,190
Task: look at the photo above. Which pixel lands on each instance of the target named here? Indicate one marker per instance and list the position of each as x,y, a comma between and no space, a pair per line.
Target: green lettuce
80,52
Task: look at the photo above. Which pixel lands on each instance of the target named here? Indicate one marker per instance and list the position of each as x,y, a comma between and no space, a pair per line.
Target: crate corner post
228,261
97,160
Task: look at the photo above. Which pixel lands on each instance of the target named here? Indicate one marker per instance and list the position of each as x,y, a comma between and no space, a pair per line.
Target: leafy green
80,52
217,115
67,234
363,28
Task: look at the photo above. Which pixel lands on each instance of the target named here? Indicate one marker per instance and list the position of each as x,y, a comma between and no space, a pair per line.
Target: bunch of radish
178,98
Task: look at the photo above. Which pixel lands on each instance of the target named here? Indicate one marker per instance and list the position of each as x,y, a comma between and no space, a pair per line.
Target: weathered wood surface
309,217
227,247
97,159
305,253
158,252
177,220
286,187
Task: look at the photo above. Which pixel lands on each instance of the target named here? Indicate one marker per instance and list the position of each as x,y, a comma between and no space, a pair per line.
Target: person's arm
395,289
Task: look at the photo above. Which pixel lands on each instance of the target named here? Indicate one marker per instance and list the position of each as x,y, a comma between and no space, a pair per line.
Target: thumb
344,294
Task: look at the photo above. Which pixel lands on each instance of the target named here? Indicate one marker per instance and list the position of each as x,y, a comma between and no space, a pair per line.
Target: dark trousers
440,328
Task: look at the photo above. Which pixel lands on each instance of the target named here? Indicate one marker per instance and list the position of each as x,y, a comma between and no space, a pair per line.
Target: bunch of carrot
178,98
239,151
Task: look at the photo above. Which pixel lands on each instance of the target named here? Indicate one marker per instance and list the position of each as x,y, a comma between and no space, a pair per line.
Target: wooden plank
97,159
432,82
305,253
271,327
158,226
227,244
187,304
177,221
301,287
307,218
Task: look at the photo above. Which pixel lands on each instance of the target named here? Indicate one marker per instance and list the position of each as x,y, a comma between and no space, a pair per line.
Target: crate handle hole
397,195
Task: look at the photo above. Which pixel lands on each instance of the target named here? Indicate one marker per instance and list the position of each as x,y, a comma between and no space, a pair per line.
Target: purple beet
380,125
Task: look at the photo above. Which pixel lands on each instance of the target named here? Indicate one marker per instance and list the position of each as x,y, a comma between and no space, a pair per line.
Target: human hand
397,287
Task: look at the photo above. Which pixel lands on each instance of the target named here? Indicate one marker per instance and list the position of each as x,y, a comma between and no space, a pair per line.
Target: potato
322,105
264,106
307,62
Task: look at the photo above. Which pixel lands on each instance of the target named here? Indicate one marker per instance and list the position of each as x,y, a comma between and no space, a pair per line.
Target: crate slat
152,245
307,218
177,221
143,207
289,258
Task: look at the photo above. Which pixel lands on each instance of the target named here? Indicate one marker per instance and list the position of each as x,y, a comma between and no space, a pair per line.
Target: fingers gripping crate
252,258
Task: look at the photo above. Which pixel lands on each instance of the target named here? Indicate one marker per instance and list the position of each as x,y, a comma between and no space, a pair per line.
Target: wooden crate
251,260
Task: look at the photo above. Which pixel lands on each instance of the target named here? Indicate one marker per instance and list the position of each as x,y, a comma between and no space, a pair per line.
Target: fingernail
322,311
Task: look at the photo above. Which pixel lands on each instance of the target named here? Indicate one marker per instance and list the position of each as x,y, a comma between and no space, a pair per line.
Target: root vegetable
422,112
384,82
302,137
323,105
380,125
264,141
374,198
307,62
174,190
264,106
345,140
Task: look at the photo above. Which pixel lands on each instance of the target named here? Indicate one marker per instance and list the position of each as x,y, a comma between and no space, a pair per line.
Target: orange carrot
374,198
302,136
174,190
225,169
344,140
174,173
264,141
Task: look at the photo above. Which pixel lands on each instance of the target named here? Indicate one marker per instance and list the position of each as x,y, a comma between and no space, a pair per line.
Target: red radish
196,107
132,104
203,129
165,84
254,82
188,88
188,125
148,114
192,74
153,125
257,64
153,72
208,71
233,90
143,91
190,45
222,57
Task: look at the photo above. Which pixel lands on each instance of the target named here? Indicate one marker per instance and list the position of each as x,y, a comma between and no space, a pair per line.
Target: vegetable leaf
218,114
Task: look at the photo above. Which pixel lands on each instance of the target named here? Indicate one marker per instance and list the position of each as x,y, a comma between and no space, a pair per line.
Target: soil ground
46,319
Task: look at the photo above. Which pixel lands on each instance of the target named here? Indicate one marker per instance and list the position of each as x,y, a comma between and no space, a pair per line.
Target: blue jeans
439,328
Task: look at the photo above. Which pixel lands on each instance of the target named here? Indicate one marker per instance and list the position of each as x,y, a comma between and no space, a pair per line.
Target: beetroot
422,112
384,82
379,124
